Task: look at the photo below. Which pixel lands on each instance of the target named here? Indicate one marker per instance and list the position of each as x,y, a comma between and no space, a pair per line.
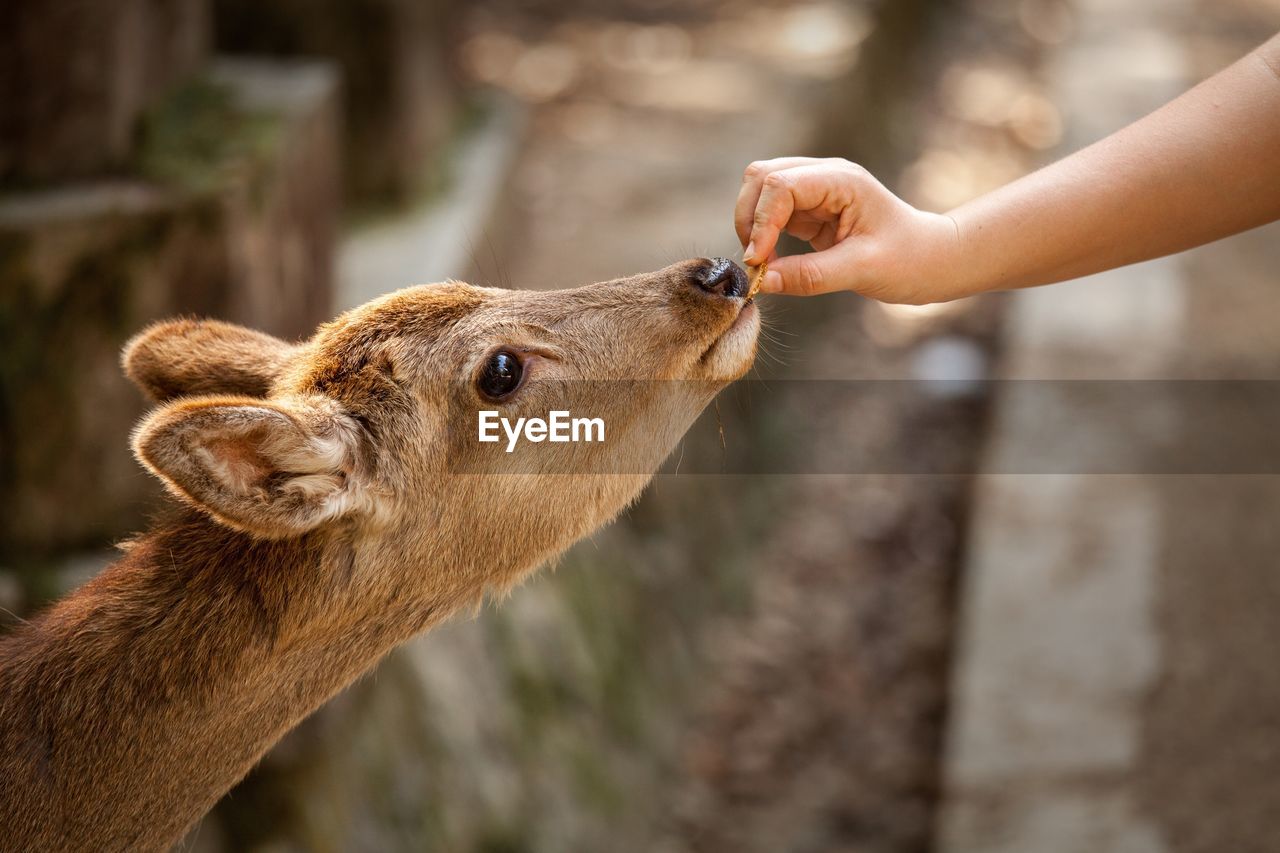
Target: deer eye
501,375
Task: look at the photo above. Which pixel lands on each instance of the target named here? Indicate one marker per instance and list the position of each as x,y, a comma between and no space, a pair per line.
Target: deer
328,501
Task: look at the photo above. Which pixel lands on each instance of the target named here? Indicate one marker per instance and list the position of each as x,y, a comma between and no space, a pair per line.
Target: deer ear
272,468
180,358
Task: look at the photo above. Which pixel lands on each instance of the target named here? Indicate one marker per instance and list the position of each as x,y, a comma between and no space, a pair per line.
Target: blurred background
975,660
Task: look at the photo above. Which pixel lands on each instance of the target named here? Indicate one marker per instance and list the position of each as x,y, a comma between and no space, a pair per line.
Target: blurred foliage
194,136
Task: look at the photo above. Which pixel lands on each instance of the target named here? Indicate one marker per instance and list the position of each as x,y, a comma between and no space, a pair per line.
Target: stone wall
75,76
141,180
400,95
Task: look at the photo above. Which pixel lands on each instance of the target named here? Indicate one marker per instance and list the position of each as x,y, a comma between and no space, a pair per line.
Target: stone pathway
1103,675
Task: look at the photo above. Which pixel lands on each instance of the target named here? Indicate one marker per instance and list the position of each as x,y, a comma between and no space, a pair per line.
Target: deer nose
722,277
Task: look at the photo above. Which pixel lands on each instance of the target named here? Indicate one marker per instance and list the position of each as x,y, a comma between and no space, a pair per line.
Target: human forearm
1202,167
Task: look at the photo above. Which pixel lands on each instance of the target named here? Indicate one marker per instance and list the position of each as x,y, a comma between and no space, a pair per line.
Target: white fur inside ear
313,487
320,470
320,453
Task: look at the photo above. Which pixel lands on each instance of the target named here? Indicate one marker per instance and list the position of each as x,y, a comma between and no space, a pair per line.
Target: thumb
809,274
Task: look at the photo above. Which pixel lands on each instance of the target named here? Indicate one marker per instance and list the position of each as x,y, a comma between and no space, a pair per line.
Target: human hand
866,239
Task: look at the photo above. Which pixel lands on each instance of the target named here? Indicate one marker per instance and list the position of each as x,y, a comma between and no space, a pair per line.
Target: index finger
812,187
753,178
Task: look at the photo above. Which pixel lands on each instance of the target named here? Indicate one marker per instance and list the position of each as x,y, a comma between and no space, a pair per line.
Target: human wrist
938,271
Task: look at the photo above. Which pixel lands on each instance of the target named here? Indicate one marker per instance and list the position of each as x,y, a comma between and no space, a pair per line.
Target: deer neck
130,707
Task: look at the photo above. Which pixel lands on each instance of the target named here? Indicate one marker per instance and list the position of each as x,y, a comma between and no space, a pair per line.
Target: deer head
340,502
370,427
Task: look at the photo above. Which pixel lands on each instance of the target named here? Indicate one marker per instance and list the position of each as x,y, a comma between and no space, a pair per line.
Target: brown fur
332,504
181,357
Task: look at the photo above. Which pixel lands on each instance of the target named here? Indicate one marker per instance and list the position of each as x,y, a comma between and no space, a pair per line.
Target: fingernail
749,254
772,282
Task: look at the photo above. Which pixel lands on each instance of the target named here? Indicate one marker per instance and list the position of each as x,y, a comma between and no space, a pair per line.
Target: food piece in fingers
757,279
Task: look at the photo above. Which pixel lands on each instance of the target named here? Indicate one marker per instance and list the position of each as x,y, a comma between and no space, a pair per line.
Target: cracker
756,280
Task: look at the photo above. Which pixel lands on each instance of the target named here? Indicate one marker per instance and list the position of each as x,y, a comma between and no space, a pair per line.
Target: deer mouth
730,355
